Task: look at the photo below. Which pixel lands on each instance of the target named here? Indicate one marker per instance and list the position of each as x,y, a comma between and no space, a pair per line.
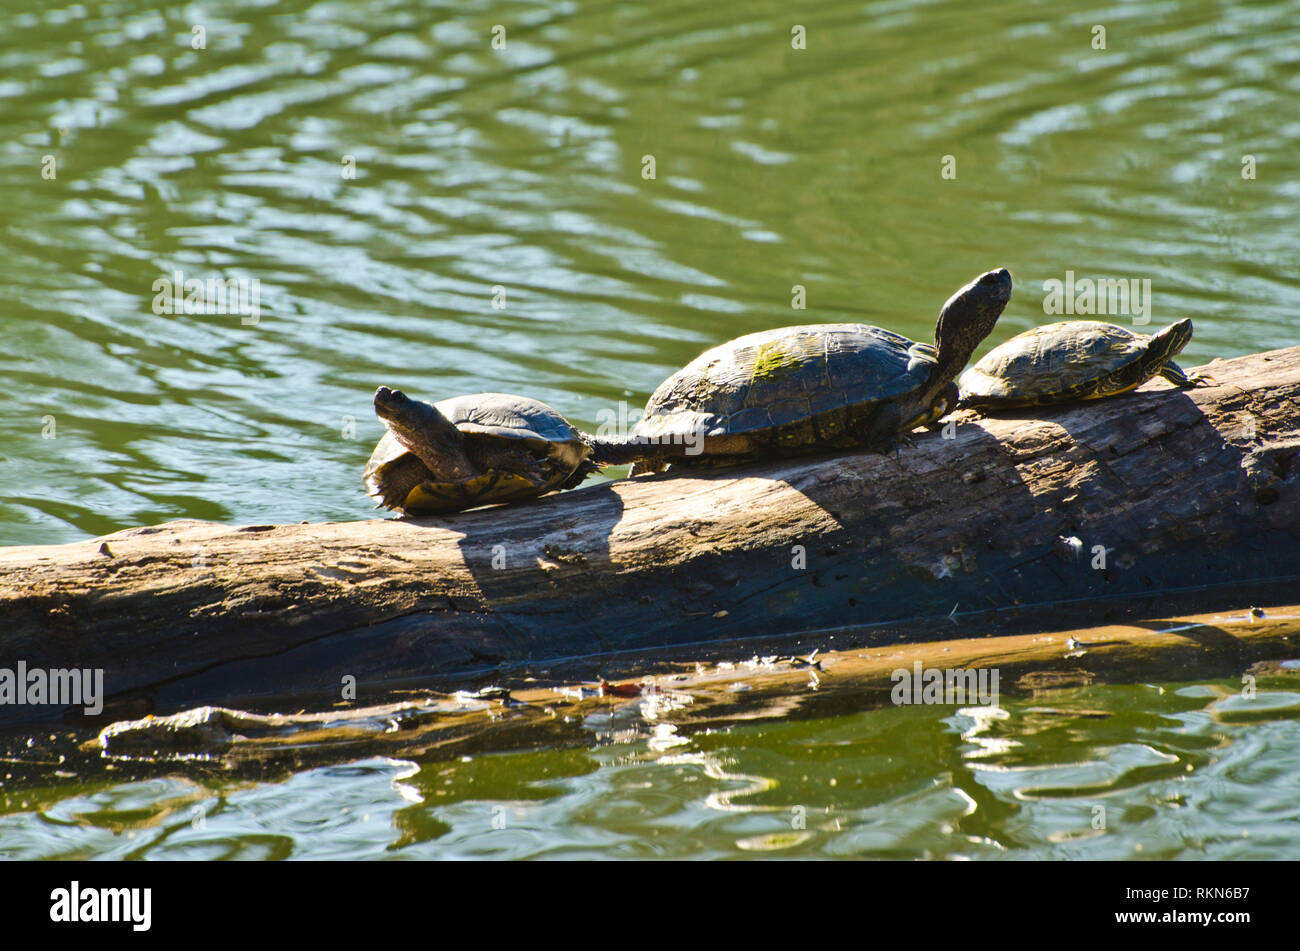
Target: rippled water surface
515,177
1179,771
522,168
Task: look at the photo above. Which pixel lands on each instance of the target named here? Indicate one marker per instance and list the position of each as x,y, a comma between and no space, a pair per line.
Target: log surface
1122,502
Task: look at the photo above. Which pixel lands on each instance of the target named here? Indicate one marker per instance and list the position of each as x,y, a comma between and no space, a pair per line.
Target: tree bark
1158,501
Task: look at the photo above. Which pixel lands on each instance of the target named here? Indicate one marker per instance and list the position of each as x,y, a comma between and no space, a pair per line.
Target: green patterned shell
1054,359
785,377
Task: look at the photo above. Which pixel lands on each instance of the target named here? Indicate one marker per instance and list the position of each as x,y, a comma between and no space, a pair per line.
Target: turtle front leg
488,455
1174,374
945,403
882,433
892,423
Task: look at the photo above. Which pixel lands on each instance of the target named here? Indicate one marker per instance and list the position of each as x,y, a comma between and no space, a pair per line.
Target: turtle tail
649,451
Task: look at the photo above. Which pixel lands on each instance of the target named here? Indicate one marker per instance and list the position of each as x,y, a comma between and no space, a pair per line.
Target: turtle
1075,360
471,450
794,390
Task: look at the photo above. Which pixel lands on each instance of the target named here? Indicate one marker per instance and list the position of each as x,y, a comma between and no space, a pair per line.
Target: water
521,169
1141,771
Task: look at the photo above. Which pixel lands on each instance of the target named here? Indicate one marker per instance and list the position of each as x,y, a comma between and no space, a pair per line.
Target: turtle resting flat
794,390
1074,360
471,450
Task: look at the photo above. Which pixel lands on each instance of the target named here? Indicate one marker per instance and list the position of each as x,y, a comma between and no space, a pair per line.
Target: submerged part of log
1155,501
685,699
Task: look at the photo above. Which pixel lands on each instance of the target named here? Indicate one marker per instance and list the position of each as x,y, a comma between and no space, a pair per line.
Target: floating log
1158,501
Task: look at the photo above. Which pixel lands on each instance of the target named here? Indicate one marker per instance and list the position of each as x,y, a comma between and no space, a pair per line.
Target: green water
1142,771
523,168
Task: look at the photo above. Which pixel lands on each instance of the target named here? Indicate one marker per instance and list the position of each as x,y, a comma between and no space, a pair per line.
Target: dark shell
784,377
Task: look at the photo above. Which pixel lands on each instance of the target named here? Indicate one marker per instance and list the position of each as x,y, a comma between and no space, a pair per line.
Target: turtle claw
1184,380
891,445
902,439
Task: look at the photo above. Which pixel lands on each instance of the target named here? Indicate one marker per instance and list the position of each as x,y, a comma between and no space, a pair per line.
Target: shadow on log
1156,502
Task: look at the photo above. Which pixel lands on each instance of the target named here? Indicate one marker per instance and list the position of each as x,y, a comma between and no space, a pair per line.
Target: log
686,699
1160,500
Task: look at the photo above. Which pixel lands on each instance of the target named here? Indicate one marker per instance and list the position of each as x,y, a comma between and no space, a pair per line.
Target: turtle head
426,432
1172,339
966,319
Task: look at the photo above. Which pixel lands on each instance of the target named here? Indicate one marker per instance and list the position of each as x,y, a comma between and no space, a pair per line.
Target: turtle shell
802,386
516,417
489,421
1069,360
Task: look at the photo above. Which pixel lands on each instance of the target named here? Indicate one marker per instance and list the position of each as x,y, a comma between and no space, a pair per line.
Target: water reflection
521,168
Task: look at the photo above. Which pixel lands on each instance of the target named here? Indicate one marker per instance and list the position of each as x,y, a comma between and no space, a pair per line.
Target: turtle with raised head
795,390
1074,360
471,450
777,393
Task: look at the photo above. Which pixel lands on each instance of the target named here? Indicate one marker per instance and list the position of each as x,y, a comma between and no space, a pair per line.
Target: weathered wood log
1161,500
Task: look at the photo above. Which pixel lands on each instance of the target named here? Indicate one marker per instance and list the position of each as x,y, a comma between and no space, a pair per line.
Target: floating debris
809,661
487,695
608,689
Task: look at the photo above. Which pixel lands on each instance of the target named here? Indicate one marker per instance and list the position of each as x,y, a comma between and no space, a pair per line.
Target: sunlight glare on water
1170,775
521,168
